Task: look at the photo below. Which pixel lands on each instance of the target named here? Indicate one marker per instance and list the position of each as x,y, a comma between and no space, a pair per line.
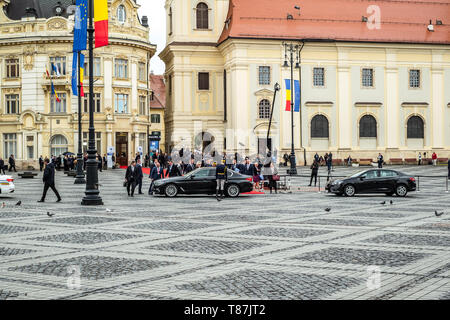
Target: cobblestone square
271,246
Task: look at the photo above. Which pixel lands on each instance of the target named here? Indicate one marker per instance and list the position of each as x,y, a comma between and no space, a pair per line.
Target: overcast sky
154,10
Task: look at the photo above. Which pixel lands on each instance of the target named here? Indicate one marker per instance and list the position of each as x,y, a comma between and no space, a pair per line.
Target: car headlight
337,182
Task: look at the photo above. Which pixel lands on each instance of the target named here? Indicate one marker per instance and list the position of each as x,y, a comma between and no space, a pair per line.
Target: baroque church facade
374,78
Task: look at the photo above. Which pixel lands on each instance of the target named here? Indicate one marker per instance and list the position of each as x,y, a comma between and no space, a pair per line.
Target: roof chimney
145,21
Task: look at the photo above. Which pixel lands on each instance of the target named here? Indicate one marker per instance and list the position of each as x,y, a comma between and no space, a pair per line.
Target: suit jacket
189,168
154,173
173,171
11,161
49,174
251,171
2,164
131,175
139,174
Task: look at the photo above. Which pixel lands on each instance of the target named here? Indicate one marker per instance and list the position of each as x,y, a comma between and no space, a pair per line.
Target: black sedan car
374,181
203,181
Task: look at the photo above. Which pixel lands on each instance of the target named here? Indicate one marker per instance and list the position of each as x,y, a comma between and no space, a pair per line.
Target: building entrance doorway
122,148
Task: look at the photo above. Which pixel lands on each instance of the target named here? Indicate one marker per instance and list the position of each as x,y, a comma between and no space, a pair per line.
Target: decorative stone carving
28,58
57,24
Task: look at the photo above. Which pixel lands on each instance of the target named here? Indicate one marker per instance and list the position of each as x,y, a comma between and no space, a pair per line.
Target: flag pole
92,192
79,179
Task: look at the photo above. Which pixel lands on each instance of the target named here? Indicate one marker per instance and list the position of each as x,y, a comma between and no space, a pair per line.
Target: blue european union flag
80,34
75,74
297,96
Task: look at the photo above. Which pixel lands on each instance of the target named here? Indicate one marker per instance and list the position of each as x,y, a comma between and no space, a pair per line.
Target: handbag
276,177
125,184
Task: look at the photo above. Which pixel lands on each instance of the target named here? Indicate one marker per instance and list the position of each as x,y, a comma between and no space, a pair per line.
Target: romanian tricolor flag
53,87
288,94
81,74
101,23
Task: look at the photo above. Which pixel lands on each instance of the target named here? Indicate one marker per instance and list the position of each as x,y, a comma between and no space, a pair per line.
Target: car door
368,182
196,183
386,182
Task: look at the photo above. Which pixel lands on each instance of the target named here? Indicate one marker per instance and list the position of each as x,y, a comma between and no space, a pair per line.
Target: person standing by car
190,166
434,158
420,159
155,174
173,170
139,175
41,163
2,165
274,178
131,178
49,180
314,171
12,163
380,161
221,179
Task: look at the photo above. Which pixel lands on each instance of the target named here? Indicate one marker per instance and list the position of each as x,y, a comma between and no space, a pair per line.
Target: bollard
418,183
319,184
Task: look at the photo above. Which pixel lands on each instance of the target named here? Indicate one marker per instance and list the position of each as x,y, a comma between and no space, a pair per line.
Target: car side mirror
362,178
192,176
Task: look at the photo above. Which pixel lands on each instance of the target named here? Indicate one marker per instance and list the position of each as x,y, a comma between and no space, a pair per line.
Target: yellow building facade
359,98
32,122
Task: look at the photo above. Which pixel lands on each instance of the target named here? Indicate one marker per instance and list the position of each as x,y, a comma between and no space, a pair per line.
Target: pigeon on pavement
328,209
392,202
108,210
50,214
438,214
383,203
19,203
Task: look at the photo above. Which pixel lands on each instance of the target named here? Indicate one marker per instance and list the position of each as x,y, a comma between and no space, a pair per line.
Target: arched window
121,14
415,128
264,109
202,16
59,145
368,127
319,127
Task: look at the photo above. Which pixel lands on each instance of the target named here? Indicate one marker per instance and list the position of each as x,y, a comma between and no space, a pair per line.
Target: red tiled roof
402,21
159,91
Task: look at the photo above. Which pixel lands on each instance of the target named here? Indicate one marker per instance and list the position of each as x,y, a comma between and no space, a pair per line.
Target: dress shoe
59,200
40,201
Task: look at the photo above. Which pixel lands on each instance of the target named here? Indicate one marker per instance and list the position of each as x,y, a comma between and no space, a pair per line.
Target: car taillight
10,180
249,179
412,179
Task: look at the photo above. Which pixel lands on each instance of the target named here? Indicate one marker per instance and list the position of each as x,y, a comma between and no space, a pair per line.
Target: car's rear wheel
401,190
171,191
349,190
233,190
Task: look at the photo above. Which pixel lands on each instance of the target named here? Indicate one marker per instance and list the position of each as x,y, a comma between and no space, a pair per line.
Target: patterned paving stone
92,267
6,294
7,229
435,226
10,214
272,285
284,232
340,222
83,220
236,217
207,246
85,237
377,215
362,256
173,226
411,239
12,251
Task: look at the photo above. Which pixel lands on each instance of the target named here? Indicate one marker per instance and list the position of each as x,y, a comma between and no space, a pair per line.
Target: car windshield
357,174
196,171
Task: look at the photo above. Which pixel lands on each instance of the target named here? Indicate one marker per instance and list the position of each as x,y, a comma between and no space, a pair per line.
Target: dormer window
121,14
202,16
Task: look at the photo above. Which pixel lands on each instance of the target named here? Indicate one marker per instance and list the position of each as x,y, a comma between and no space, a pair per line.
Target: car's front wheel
171,191
349,190
233,190
401,190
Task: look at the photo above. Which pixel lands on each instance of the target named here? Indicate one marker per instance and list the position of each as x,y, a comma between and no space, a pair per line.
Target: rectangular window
98,141
121,103
203,81
156,118
414,78
60,63
12,104
142,141
142,105
367,77
58,107
97,67
319,77
264,75
10,144
12,68
97,103
121,68
141,71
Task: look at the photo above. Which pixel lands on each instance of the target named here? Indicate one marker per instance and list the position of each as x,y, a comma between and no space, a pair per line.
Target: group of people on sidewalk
11,162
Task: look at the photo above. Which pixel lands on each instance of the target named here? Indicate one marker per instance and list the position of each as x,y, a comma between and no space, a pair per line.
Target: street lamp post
92,192
291,48
79,179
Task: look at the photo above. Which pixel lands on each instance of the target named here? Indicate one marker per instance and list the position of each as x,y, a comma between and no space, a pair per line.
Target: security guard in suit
221,178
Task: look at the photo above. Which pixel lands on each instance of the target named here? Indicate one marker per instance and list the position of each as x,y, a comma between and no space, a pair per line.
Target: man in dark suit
131,178
173,170
49,180
12,163
156,174
190,166
248,168
41,163
139,175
